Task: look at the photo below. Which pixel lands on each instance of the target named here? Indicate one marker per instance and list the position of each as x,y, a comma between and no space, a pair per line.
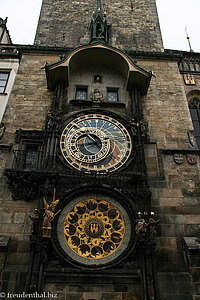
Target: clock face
93,230
95,142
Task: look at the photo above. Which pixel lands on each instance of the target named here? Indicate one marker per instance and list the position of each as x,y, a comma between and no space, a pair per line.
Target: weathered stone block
74,296
172,193
172,230
5,217
191,219
18,258
169,201
19,218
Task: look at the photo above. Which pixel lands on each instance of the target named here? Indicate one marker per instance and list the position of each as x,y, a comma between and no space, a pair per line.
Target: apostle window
3,81
112,94
81,93
194,106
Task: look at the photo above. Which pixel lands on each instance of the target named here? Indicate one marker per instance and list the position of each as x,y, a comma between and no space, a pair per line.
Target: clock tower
97,128
105,161
94,141
132,24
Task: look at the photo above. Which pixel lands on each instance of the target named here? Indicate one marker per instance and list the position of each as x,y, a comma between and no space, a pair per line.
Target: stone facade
174,187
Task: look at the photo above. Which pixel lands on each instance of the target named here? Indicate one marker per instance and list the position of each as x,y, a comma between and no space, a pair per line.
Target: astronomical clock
89,154
95,228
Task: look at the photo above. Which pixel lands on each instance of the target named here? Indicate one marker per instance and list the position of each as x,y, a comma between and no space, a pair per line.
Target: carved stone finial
98,25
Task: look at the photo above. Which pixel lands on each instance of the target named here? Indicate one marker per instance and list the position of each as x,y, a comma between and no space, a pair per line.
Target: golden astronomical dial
94,228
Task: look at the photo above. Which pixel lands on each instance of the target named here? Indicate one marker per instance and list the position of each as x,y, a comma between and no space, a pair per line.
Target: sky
174,16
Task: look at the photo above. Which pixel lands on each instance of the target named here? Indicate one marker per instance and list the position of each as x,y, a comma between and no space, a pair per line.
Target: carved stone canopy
98,54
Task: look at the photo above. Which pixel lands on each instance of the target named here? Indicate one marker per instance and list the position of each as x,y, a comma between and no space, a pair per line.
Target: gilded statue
49,215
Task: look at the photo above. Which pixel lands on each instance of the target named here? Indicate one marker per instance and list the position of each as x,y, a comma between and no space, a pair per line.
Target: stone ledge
172,151
6,146
192,245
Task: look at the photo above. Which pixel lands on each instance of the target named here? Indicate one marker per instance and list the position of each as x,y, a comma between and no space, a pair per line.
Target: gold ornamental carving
94,228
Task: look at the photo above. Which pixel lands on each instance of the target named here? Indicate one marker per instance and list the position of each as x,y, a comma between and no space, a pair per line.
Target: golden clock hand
91,137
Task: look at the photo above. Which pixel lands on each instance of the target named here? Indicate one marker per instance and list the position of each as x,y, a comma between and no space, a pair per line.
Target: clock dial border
96,262
111,155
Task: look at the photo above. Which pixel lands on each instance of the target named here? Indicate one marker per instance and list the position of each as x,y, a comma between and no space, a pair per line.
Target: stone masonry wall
165,105
175,188
30,99
135,23
27,106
